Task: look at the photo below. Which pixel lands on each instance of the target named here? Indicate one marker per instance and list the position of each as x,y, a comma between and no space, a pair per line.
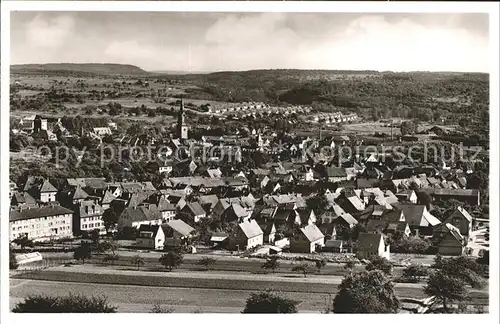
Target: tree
379,263
111,246
484,259
12,259
408,127
463,122
110,218
318,203
417,245
462,268
83,252
271,263
366,292
23,242
303,267
415,272
73,303
94,236
157,308
320,264
137,260
446,288
269,302
111,257
206,261
171,259
350,265
424,198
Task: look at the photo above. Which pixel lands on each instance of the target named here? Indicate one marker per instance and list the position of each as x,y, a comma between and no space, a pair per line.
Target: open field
140,299
371,128
227,263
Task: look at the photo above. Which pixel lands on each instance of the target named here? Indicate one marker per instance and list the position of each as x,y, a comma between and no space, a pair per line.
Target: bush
67,304
271,263
12,260
269,302
379,263
415,272
83,252
305,268
366,292
160,309
171,260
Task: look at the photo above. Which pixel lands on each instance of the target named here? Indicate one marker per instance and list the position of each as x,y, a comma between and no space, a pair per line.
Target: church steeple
182,129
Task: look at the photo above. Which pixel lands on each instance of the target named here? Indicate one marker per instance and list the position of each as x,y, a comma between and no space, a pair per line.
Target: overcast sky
226,41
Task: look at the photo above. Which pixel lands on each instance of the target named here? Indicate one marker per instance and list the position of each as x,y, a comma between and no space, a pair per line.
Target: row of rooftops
257,107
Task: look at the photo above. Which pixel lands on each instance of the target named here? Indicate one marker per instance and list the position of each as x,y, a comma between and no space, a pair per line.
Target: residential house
235,213
287,216
150,237
12,188
420,220
88,217
450,241
192,212
331,213
208,202
22,199
140,215
307,217
336,246
248,235
220,207
45,135
462,220
307,240
269,230
41,223
39,124
213,173
106,199
468,196
363,183
407,196
77,195
264,213
219,239
350,202
41,189
335,174
177,232
102,131
399,226
167,210
167,167
371,244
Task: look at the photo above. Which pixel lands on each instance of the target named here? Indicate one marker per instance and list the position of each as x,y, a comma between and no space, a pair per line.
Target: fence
26,269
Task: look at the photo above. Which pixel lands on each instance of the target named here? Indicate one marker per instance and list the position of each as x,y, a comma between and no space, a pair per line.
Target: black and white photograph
248,160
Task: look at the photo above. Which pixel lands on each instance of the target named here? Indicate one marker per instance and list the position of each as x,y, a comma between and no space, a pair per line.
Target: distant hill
179,72
77,68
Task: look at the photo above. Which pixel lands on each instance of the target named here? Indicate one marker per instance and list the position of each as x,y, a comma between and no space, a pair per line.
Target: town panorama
260,191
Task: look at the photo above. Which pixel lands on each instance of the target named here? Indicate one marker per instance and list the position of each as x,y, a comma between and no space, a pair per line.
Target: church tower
182,129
